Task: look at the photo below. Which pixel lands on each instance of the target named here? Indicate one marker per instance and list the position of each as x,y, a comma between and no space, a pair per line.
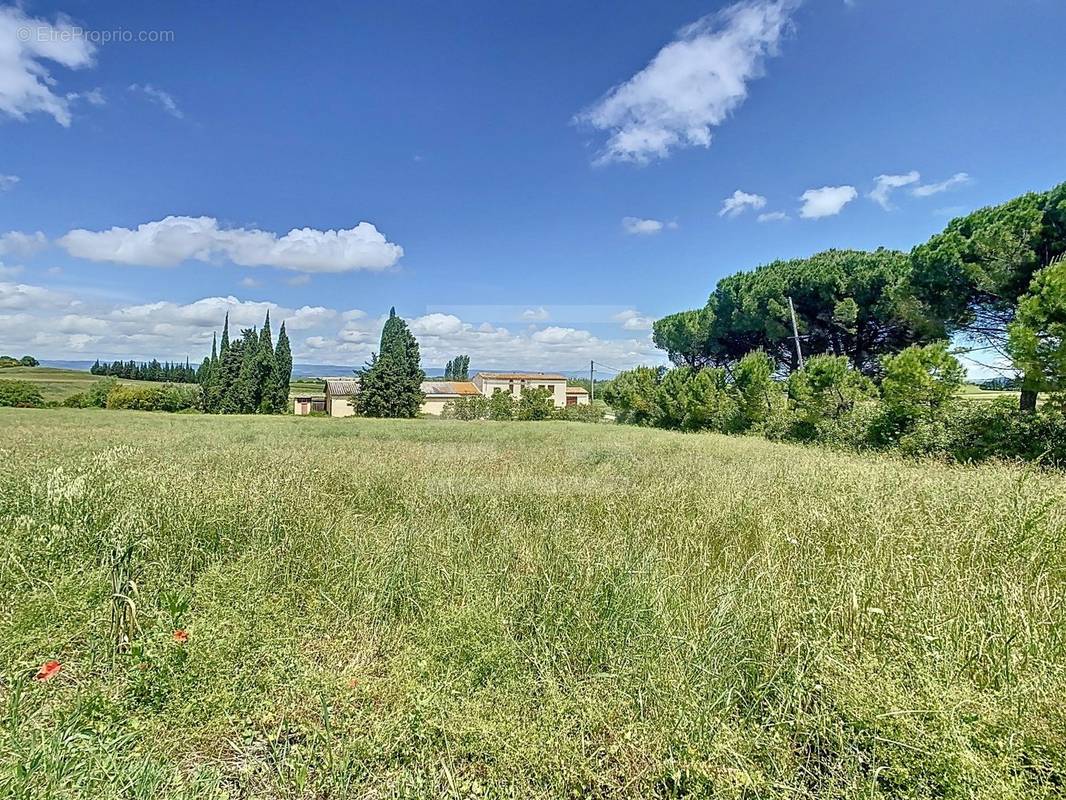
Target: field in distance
59,384
426,608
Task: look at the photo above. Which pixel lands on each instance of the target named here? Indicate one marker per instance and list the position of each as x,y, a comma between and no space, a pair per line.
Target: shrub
586,412
501,405
168,397
634,396
20,394
826,389
29,361
535,404
466,408
79,400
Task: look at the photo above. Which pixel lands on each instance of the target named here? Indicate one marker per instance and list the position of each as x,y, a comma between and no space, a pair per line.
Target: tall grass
425,608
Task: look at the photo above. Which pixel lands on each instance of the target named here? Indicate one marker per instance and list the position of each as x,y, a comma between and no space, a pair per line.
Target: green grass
59,384
430,608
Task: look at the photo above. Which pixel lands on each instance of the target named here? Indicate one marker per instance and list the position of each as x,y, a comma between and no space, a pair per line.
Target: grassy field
430,608
59,384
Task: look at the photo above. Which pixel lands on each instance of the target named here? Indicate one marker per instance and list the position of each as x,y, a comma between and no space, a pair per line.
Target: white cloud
884,184
927,189
163,99
773,216
24,297
170,241
94,97
9,272
741,202
827,201
691,85
633,320
26,45
641,227
436,325
8,182
250,283
17,243
538,314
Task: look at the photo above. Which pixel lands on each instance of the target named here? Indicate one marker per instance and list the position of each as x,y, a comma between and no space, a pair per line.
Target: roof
449,388
520,376
576,390
340,387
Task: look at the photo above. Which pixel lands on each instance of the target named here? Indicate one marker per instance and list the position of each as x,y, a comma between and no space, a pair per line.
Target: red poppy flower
49,669
181,636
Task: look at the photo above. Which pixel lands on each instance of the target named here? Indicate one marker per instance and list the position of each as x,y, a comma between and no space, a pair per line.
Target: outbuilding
339,393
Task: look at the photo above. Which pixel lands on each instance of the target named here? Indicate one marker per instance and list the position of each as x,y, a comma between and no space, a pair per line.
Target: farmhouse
339,392
515,382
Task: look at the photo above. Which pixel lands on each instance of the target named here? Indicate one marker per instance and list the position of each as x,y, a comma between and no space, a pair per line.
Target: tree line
993,280
458,369
872,367
166,372
247,375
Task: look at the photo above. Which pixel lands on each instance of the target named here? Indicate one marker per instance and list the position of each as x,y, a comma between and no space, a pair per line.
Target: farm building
576,396
440,392
302,405
515,382
339,393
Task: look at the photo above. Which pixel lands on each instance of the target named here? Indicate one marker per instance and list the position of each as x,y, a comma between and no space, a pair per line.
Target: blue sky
530,183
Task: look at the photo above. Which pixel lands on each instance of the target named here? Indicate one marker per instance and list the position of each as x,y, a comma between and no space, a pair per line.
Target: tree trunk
1027,402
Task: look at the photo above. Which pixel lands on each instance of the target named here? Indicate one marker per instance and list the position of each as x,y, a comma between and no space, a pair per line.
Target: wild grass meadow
313,608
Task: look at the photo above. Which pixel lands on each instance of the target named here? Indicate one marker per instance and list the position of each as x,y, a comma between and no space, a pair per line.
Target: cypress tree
266,371
225,336
283,367
390,382
246,389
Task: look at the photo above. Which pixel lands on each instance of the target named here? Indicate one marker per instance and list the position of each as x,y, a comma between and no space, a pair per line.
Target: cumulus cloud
884,184
927,189
172,240
633,320
538,314
17,243
55,323
740,202
8,182
827,201
692,85
773,216
27,45
162,99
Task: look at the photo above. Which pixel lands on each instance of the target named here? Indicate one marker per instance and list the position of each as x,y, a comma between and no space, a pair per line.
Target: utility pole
592,381
795,333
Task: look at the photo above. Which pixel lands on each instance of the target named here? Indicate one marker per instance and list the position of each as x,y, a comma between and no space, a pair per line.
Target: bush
535,404
20,394
466,408
168,397
586,412
971,432
501,406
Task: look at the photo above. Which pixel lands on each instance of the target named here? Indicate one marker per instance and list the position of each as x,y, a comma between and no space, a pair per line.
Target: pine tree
283,366
390,382
229,371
